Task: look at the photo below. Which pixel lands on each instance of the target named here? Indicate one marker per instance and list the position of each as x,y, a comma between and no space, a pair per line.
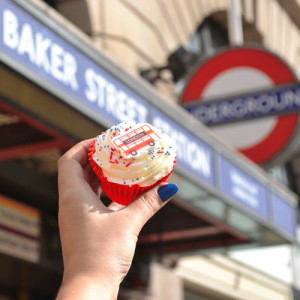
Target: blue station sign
27,44
280,100
192,154
242,188
42,51
33,45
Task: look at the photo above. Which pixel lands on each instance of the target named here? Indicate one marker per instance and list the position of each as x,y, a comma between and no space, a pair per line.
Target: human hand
98,242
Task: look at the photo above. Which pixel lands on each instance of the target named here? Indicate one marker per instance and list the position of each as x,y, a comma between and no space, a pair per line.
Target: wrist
99,272
80,285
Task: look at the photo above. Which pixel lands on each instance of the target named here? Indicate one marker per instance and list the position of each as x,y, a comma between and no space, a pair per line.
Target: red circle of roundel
267,63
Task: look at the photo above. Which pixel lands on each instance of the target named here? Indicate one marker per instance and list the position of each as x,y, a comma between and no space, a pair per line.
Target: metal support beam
197,245
17,151
218,224
28,119
178,235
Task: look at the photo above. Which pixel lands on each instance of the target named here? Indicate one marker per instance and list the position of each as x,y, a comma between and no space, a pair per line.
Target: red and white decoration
238,71
136,139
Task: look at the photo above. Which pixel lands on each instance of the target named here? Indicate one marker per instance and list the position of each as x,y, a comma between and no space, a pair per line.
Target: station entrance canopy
234,199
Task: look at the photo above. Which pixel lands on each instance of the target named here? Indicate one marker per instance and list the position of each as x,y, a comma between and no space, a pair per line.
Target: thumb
146,205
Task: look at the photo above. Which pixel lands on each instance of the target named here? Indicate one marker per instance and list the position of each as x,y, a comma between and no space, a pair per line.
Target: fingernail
167,191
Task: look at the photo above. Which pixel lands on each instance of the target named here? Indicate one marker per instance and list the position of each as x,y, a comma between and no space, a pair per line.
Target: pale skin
98,242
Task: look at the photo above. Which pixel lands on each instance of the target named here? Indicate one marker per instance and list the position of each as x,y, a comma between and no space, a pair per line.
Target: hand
98,242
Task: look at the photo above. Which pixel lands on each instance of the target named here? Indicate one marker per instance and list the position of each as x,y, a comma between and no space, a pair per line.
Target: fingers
95,185
145,206
87,173
70,165
115,206
78,153
77,182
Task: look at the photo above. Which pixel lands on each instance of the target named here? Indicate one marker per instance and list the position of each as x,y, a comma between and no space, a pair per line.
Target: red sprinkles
116,161
128,165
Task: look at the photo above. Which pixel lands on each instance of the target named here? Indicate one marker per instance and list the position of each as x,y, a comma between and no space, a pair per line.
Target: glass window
285,175
219,209
208,37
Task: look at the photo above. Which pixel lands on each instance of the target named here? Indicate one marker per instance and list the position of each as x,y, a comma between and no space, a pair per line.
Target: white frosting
151,164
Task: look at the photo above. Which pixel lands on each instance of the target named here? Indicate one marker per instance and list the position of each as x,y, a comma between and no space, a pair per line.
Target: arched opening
251,34
212,34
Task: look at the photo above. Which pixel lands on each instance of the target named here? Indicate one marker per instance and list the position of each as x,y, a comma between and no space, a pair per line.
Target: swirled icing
150,165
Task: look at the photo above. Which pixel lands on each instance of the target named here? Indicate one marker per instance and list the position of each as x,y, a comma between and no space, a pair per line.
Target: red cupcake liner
119,193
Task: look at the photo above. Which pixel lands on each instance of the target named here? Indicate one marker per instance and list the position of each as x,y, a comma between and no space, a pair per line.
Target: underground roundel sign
250,98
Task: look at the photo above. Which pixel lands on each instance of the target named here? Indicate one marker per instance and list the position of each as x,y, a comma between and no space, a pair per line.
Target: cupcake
131,158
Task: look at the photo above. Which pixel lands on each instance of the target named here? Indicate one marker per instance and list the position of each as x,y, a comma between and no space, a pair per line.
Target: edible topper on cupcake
132,142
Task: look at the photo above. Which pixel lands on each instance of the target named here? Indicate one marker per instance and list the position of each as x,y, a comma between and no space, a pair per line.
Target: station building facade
61,84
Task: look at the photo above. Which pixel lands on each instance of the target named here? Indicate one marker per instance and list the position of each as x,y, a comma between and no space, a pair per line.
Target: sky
275,261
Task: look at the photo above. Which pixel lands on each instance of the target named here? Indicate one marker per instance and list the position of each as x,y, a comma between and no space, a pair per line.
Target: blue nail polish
167,191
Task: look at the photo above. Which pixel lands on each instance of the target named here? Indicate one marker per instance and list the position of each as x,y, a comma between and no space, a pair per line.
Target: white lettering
243,189
202,113
70,69
122,106
251,105
265,103
116,102
26,44
91,89
133,112
198,158
101,83
224,110
244,196
280,103
195,156
238,108
56,61
191,157
111,99
42,46
180,141
62,65
10,29
297,97
142,113
53,59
